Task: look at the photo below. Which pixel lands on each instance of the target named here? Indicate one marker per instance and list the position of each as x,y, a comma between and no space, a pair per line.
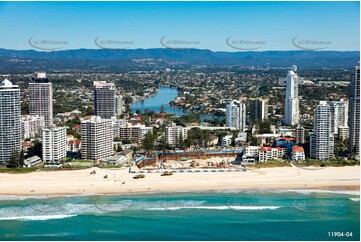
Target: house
226,140
212,140
26,146
298,153
73,146
128,154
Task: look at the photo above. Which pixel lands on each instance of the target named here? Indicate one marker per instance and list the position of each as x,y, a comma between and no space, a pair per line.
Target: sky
205,25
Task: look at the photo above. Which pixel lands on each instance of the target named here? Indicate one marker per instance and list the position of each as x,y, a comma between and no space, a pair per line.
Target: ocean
246,215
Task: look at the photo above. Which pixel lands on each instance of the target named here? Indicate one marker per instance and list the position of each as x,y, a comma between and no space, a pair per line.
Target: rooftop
98,84
6,84
297,148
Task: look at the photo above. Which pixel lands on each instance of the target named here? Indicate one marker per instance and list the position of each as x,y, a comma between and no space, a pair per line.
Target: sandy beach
119,181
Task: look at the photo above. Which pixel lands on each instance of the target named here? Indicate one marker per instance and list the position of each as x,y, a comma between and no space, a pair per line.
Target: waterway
162,98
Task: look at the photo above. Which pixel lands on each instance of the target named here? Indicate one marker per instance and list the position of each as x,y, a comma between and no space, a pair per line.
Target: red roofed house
26,145
298,153
73,146
268,153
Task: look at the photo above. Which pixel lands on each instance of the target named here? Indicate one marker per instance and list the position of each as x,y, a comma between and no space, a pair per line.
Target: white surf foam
355,199
12,198
307,192
40,217
220,208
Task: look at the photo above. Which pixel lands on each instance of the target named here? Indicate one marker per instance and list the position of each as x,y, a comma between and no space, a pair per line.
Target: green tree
148,142
36,149
14,159
181,143
119,148
264,127
205,134
22,158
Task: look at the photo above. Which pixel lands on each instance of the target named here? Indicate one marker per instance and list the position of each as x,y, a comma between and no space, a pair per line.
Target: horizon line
180,49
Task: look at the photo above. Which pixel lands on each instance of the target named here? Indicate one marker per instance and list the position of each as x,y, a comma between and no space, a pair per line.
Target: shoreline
120,182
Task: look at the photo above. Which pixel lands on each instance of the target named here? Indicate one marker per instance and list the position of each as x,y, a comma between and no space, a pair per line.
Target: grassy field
18,170
269,164
81,163
330,163
308,162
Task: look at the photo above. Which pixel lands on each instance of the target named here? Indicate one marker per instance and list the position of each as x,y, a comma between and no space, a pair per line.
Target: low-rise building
73,146
226,141
298,153
115,160
212,140
252,150
33,161
134,133
268,153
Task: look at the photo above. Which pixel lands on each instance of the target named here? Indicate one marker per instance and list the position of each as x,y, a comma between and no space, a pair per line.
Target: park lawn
81,163
18,170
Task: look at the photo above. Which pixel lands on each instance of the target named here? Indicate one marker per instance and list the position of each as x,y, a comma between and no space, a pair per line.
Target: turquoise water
163,97
249,215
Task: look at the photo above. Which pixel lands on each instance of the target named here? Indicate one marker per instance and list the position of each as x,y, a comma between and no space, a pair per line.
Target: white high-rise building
236,114
173,134
354,145
322,139
339,114
104,99
291,101
96,138
10,115
31,125
54,144
118,105
41,98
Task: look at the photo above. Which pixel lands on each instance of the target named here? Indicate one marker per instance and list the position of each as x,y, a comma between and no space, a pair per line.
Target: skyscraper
10,115
300,134
96,138
258,109
339,114
322,139
104,99
118,105
54,144
41,98
354,144
291,100
236,114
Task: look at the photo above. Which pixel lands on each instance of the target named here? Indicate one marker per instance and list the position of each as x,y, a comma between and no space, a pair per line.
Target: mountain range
81,58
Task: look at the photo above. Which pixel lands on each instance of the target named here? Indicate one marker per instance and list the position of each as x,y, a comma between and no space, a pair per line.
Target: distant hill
85,57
